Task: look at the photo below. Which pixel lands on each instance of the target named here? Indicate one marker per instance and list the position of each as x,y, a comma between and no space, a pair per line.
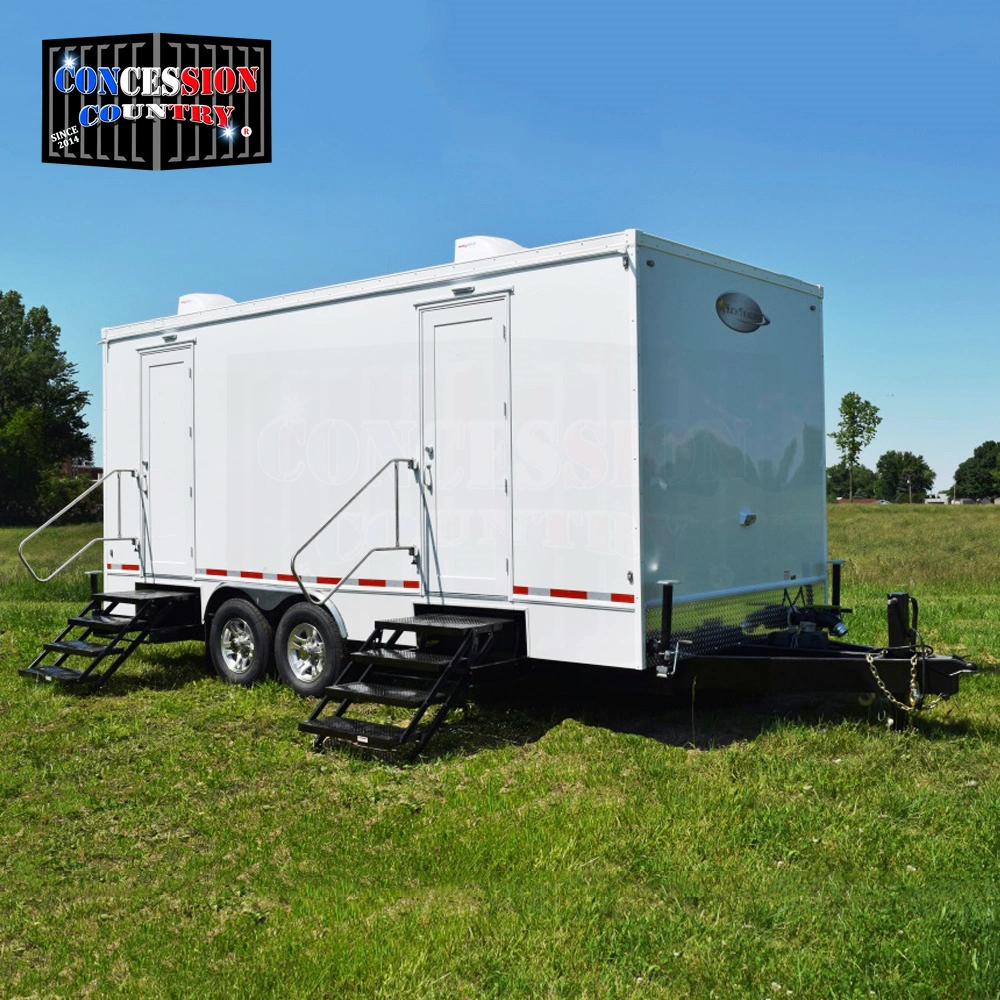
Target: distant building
76,467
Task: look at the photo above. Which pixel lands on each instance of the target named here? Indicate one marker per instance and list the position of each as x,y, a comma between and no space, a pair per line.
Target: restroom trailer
605,453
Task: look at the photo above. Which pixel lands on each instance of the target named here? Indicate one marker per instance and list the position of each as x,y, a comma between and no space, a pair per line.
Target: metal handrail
55,517
394,462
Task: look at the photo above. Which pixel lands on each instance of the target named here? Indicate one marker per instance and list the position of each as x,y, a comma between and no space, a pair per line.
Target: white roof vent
195,302
479,247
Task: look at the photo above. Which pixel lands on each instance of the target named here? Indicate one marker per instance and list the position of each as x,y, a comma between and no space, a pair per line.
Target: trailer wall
292,409
732,433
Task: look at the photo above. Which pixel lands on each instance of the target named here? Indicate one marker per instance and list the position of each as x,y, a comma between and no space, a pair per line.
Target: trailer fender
274,603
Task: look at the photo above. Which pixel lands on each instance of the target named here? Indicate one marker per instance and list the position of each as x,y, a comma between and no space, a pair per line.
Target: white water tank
200,301
478,247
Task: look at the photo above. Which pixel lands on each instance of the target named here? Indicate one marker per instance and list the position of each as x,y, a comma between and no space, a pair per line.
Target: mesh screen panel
718,622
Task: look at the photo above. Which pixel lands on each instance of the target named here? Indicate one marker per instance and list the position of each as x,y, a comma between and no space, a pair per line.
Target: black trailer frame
805,658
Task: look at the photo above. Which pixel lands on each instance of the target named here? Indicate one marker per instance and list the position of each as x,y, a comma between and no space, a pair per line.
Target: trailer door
167,473
465,448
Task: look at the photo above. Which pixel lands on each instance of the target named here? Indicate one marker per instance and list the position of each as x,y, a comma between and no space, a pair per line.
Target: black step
145,596
101,621
63,674
404,692
76,647
402,656
436,624
363,734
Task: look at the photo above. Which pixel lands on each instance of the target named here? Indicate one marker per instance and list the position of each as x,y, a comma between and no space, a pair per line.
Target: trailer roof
448,274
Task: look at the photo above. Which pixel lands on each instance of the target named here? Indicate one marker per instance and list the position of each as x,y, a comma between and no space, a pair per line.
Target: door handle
428,481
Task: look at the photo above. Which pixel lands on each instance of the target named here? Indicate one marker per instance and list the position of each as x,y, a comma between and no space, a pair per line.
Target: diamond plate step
145,596
100,621
362,734
402,657
63,674
442,624
403,692
76,647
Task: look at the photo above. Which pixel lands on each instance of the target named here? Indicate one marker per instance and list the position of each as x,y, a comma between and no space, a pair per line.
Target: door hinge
505,487
505,410
507,564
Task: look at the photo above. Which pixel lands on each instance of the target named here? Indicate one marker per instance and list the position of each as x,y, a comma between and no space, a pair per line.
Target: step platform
374,735
64,675
443,624
390,689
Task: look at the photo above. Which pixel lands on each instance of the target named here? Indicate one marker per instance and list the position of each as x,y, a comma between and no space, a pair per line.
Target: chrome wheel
306,652
308,649
237,645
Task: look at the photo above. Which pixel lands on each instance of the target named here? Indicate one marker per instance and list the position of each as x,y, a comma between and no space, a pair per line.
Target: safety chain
915,694
870,657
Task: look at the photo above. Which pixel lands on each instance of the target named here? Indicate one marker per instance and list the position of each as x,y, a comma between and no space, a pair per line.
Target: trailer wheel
308,649
240,642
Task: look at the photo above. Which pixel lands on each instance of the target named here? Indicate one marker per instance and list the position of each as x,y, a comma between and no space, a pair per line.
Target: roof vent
195,302
480,247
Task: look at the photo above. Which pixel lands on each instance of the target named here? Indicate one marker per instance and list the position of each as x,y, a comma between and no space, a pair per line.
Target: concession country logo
156,101
739,312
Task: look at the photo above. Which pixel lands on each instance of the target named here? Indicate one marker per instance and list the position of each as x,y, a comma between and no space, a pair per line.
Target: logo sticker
740,313
156,101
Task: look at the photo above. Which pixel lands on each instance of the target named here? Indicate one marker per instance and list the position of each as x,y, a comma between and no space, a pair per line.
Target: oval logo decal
739,312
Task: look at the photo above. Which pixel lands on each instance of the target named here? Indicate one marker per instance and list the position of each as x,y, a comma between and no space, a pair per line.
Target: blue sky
855,145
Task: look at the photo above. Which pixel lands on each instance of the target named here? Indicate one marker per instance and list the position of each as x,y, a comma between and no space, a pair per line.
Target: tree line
43,435
899,476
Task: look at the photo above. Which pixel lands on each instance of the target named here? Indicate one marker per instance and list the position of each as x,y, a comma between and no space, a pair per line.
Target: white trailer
606,442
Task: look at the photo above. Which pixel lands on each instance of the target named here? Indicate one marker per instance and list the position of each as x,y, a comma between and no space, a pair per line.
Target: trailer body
581,421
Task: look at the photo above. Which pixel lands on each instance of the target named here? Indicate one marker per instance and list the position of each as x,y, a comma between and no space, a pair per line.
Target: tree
838,482
903,476
859,420
41,412
979,476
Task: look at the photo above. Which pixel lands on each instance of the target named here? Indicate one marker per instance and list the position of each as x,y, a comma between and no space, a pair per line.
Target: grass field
174,837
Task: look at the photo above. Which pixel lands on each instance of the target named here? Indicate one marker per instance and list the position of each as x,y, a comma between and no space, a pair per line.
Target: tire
241,642
308,649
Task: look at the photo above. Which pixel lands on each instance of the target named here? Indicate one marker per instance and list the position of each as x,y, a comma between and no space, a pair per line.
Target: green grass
171,836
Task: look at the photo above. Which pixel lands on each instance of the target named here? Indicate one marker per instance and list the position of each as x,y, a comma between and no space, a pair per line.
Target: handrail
394,462
55,517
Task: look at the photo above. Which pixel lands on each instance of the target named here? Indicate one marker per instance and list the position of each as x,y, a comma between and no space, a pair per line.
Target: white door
167,473
465,448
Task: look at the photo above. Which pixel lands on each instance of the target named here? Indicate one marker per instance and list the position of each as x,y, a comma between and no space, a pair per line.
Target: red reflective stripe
520,590
371,583
623,599
411,584
215,572
251,574
287,577
580,595
333,580
109,565
131,566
